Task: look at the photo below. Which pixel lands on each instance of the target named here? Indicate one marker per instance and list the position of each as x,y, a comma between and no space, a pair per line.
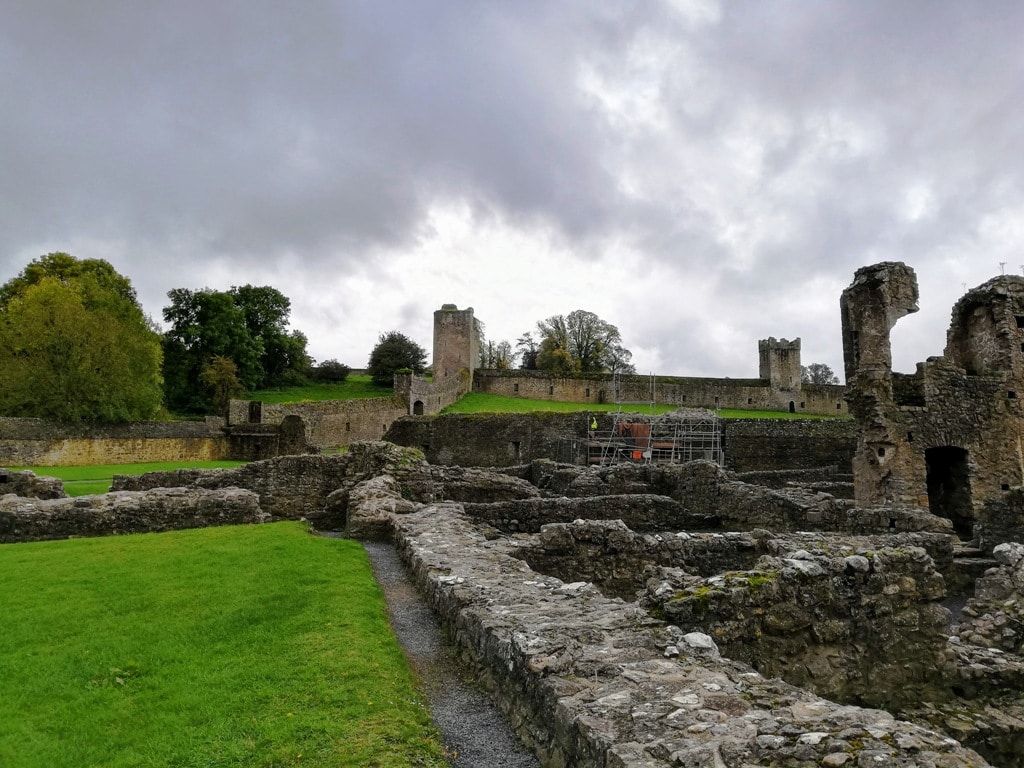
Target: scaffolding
672,438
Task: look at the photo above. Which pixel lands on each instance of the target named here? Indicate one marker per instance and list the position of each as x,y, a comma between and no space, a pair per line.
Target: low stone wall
27,485
36,442
165,509
587,680
288,487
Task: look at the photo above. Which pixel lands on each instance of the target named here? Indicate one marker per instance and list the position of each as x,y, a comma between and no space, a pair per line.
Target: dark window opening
949,487
551,390
515,387
839,406
425,447
1011,395
417,408
792,407
881,451
255,411
802,406
516,448
1005,486
348,426
588,391
910,437
1020,321
750,401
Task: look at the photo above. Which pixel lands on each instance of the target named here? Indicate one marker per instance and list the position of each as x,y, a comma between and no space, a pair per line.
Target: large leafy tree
817,373
246,326
75,344
394,352
580,342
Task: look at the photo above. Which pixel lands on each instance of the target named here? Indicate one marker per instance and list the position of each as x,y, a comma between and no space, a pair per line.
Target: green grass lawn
476,402
233,646
96,478
354,387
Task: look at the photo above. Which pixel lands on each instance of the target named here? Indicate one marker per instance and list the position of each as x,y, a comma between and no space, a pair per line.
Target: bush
331,371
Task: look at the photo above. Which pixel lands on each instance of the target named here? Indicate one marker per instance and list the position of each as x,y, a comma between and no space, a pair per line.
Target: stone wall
27,485
329,423
691,392
163,509
36,442
500,440
588,680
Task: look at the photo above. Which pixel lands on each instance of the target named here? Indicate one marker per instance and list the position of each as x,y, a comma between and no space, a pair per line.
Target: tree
75,344
817,373
248,325
331,371
395,351
528,349
580,342
497,355
220,376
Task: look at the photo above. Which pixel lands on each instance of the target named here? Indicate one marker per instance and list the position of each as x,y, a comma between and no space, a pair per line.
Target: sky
701,174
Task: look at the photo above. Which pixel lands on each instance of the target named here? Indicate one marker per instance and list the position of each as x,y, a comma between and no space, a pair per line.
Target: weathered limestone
946,438
588,680
27,485
161,509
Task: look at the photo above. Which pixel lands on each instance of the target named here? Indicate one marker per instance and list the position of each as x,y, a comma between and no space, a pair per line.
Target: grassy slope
354,387
479,403
237,646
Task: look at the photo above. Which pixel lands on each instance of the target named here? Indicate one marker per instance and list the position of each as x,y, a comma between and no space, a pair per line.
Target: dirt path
473,729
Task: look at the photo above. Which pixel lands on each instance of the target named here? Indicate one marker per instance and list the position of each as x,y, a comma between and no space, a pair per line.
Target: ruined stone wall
425,398
27,485
489,440
288,487
36,442
587,680
164,509
500,440
772,444
330,423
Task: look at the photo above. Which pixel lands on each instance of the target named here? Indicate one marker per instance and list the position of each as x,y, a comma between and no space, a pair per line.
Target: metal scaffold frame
672,438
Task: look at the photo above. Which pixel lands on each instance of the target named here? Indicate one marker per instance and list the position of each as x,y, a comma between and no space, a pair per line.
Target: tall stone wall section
37,442
329,423
502,440
456,341
690,392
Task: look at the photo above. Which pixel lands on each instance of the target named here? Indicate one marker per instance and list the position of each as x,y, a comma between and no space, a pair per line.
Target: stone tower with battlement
780,363
456,341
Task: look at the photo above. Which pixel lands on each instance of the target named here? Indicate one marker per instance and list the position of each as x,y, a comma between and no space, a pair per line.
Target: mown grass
476,402
96,478
234,646
356,386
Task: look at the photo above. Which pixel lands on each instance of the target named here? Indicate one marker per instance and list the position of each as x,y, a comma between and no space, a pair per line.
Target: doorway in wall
949,487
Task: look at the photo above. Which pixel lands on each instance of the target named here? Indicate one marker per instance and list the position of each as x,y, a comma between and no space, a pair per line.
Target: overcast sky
701,174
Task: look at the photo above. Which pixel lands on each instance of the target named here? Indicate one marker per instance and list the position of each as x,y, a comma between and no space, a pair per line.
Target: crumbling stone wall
502,440
27,485
588,680
162,509
947,437
329,423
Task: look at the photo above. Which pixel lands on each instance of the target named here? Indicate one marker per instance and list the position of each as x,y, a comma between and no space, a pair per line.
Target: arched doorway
417,408
949,487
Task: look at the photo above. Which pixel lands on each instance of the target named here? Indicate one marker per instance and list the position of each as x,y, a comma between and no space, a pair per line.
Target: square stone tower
779,363
456,341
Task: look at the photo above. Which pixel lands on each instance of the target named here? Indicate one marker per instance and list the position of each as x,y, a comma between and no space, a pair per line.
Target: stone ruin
948,437
685,615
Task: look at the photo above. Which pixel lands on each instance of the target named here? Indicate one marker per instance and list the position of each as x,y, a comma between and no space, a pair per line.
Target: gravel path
472,728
